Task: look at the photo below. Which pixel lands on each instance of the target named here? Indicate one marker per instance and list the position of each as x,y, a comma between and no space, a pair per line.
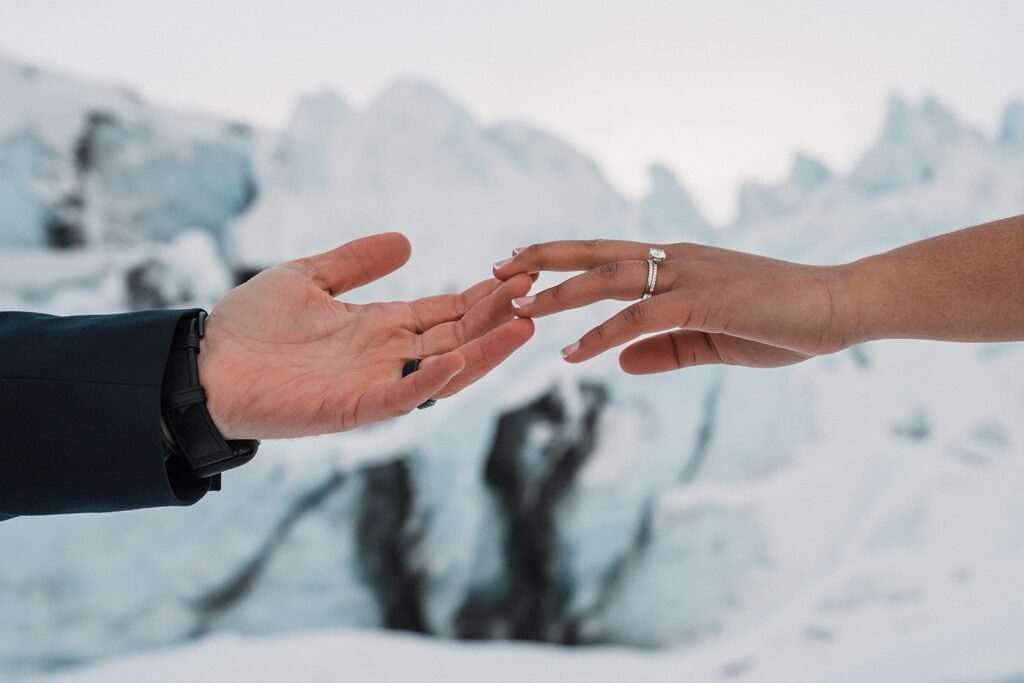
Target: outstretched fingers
620,280
487,352
569,255
443,375
488,313
401,396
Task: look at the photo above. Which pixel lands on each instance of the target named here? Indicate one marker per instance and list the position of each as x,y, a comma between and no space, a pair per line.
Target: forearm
79,409
963,286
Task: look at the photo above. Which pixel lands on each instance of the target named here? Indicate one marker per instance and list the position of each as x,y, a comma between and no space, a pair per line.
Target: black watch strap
183,405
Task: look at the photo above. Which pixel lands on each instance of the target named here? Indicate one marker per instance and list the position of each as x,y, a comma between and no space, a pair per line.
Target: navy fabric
80,414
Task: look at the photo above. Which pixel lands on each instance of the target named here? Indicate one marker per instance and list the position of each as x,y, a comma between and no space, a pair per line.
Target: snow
669,212
1012,132
856,517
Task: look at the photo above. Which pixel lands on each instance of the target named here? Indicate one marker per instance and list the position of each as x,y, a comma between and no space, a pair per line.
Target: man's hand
283,358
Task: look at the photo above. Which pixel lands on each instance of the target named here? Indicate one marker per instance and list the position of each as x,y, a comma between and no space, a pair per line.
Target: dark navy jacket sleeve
80,415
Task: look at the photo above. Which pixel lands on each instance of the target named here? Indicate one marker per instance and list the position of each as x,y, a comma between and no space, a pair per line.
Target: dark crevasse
148,183
222,598
589,624
530,602
386,532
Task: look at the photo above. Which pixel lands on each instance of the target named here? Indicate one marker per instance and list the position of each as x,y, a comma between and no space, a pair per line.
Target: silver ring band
654,257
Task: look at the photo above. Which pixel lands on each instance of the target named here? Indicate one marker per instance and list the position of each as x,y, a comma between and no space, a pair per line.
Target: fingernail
502,262
523,301
515,252
570,350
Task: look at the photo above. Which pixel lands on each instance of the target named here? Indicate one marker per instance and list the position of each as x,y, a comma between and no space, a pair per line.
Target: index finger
570,255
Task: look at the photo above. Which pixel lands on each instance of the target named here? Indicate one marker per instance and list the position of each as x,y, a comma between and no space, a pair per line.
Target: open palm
283,358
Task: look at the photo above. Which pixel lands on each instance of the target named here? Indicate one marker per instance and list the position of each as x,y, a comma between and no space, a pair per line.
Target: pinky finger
401,396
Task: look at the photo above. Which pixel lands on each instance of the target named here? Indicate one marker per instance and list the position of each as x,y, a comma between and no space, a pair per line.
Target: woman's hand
283,358
710,305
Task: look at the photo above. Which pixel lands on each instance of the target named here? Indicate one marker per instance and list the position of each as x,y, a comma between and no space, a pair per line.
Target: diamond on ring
655,256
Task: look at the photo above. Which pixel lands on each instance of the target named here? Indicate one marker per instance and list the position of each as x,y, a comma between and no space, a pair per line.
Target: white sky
721,90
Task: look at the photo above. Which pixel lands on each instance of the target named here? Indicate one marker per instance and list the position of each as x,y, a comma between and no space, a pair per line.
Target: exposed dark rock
64,229
385,533
530,603
243,275
153,185
704,433
86,147
580,630
144,283
222,598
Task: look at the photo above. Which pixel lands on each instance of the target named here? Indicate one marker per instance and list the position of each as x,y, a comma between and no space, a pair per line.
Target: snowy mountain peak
760,202
668,214
927,124
319,112
808,172
419,104
1012,131
917,141
663,179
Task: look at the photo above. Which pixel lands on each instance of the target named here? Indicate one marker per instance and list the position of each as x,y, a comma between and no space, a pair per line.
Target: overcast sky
721,90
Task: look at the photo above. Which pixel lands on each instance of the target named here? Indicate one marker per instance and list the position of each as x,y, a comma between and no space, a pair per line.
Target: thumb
359,262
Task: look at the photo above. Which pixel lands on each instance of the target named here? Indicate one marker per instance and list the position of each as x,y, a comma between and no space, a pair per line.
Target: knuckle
600,332
634,313
593,244
608,270
534,254
309,266
556,292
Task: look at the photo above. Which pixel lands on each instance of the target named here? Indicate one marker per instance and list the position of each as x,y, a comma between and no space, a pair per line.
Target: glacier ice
856,513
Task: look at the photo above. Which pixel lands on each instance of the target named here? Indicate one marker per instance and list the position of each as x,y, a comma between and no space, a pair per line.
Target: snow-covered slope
861,510
338,171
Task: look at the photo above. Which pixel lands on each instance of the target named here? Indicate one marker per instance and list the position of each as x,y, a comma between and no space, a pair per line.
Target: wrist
867,301
847,298
204,449
213,377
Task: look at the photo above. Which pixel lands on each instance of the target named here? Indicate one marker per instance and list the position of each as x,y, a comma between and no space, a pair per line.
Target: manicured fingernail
570,349
502,262
523,301
515,252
